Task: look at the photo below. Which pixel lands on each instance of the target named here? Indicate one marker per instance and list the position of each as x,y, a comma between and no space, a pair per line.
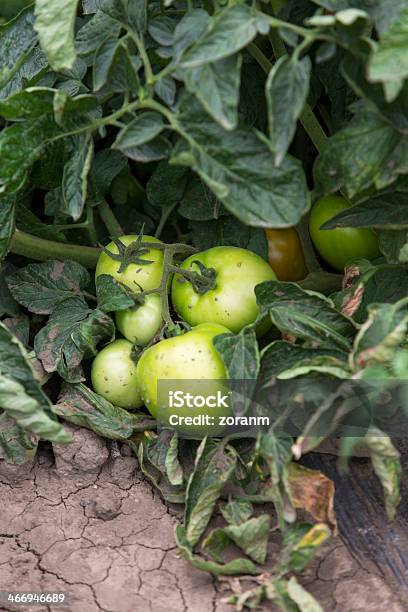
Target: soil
82,520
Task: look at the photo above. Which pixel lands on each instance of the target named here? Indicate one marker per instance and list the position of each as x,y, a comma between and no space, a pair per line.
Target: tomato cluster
213,293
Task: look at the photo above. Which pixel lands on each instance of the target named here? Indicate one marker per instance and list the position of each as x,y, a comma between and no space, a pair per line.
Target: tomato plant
114,375
192,359
339,247
285,254
223,292
175,134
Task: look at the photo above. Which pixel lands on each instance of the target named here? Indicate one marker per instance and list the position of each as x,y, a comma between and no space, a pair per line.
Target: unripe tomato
114,377
189,363
232,301
141,323
285,254
339,247
135,275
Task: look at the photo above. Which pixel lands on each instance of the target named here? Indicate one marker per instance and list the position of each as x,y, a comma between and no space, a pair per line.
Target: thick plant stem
111,223
307,118
39,249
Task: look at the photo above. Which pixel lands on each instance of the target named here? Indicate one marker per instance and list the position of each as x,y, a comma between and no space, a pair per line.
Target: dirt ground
86,523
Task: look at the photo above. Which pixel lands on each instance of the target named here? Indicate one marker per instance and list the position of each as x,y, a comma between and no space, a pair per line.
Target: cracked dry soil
87,524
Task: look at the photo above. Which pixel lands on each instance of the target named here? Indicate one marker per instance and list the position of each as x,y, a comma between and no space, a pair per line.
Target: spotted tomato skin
232,302
140,324
135,276
113,375
189,362
340,247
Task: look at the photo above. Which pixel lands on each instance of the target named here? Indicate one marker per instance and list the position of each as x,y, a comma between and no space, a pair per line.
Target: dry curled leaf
314,492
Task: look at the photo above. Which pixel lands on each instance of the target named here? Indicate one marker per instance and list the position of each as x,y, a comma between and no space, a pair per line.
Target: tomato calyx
202,281
131,254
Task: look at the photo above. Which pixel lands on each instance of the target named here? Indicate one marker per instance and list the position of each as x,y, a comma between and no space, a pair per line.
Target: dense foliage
204,123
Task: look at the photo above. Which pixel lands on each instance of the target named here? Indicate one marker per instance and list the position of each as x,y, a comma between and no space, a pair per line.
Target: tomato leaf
227,32
385,328
237,566
236,511
237,166
367,152
285,360
305,314
393,245
28,104
43,286
214,467
20,58
72,333
7,223
226,230
81,406
55,26
385,460
17,445
387,210
152,453
251,536
166,185
302,598
80,150
112,295
115,68
94,33
21,397
142,129
287,87
240,354
389,60
301,542
21,144
216,86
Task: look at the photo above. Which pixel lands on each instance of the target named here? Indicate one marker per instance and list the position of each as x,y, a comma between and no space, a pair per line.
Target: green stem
277,43
168,258
166,212
111,223
144,56
313,127
43,250
90,225
307,117
292,27
262,60
153,105
311,260
201,282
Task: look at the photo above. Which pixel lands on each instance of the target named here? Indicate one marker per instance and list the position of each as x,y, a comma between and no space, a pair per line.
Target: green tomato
141,323
114,377
146,276
232,302
339,247
187,364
